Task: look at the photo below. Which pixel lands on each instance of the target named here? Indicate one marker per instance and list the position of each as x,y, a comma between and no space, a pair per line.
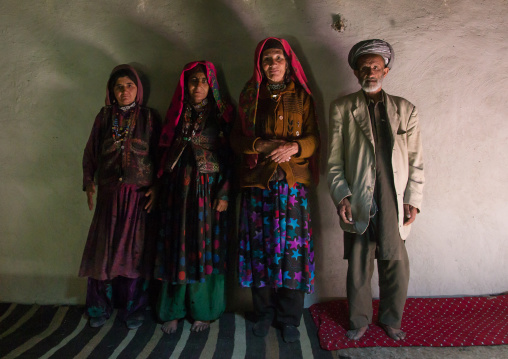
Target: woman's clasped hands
277,150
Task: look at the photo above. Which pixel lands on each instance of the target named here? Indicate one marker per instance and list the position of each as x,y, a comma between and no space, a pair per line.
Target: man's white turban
374,46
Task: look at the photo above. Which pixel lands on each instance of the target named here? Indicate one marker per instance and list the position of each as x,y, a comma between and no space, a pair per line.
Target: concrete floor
483,352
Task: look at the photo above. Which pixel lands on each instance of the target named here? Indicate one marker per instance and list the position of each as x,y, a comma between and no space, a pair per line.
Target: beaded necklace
276,87
202,111
275,90
200,106
128,107
120,134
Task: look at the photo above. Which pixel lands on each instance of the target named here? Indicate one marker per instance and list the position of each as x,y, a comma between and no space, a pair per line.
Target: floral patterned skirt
276,247
192,242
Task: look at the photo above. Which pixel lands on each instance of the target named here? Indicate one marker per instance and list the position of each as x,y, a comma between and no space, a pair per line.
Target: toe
356,334
170,327
351,334
199,326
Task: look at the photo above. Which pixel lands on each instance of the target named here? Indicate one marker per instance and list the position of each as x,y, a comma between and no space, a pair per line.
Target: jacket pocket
139,147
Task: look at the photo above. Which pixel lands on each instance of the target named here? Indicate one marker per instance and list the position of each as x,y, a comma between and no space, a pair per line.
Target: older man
375,175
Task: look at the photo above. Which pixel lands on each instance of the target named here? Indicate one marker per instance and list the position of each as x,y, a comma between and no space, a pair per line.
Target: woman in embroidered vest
277,136
120,157
195,178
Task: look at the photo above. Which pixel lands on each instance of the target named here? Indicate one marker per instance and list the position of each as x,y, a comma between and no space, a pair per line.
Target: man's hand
220,205
90,191
344,211
152,193
410,213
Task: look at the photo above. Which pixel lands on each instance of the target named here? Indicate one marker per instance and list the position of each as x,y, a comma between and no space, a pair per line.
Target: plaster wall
451,62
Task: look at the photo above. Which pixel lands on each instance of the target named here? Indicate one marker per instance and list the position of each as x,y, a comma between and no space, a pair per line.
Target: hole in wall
338,23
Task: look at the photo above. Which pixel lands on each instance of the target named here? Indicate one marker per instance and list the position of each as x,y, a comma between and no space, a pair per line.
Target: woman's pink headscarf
139,96
177,103
249,96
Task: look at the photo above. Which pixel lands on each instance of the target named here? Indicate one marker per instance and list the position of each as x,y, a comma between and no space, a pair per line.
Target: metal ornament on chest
121,133
194,126
275,90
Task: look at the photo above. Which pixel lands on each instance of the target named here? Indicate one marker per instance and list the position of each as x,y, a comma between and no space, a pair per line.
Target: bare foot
170,327
395,334
199,326
355,334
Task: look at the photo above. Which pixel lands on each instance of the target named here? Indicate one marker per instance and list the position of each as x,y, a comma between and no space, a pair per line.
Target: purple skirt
118,243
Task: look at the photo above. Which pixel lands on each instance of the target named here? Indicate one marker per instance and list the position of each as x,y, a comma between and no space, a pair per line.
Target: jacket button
120,179
281,117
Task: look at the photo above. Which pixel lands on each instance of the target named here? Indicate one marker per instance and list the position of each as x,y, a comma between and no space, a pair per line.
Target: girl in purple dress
120,158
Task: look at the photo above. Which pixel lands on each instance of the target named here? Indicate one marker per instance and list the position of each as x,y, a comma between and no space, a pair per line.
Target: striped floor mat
33,331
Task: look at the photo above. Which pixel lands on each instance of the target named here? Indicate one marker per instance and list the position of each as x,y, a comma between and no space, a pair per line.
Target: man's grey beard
371,87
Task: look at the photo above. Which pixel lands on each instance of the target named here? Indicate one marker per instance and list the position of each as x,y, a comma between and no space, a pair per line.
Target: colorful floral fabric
192,244
276,247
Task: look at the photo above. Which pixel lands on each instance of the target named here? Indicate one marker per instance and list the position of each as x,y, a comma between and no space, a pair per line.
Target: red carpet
429,322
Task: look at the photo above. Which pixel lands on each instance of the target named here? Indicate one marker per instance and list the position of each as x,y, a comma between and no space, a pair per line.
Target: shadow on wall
79,63
42,289
323,260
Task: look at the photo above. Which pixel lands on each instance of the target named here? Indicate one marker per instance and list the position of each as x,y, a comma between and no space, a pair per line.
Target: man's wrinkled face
370,72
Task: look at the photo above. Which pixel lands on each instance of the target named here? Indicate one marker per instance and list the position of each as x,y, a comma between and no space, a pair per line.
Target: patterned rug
429,322
33,331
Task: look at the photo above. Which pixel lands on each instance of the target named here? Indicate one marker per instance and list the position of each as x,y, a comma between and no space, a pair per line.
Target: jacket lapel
361,115
392,112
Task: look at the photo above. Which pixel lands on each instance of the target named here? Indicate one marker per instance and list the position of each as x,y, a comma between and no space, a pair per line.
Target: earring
287,76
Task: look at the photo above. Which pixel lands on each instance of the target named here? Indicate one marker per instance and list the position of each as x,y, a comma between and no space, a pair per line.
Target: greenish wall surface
451,61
